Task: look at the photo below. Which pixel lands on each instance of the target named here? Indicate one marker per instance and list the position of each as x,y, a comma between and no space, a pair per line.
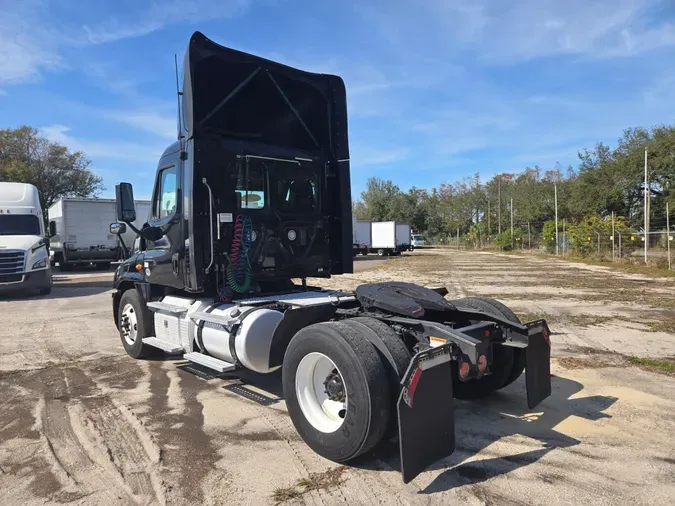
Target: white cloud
159,15
25,49
109,149
149,121
362,156
507,32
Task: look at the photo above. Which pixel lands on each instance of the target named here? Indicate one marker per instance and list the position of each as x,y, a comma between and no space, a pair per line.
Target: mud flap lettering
426,421
537,369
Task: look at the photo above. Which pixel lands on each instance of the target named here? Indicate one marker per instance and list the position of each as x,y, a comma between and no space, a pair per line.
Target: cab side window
165,198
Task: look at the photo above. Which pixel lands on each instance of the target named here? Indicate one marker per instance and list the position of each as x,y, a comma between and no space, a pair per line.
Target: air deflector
248,98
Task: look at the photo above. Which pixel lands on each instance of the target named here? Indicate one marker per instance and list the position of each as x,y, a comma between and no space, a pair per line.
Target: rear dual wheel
337,390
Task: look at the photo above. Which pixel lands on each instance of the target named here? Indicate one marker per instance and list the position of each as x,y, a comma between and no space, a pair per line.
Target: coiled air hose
239,266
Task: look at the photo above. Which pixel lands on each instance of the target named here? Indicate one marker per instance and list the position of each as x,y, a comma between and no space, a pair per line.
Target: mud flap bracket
426,420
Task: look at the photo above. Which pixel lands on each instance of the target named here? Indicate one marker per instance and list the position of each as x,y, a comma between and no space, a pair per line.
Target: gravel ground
82,423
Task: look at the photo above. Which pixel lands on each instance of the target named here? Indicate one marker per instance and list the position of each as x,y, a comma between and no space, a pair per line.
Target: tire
381,253
103,266
518,353
394,355
503,360
142,326
363,421
64,266
46,290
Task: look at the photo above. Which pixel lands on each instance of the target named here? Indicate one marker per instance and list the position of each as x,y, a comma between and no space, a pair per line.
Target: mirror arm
124,246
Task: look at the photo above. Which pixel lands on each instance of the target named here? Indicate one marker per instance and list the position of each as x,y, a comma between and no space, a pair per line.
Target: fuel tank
249,340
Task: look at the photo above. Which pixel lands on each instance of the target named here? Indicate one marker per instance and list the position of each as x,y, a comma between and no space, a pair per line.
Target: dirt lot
81,423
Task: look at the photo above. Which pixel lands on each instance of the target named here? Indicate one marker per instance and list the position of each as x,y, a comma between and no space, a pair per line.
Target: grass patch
662,325
609,359
282,495
665,365
629,265
327,480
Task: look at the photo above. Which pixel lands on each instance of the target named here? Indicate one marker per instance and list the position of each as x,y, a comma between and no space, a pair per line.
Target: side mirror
124,196
118,228
52,229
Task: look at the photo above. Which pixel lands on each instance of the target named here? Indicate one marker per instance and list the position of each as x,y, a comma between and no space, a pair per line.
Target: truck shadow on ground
59,291
480,423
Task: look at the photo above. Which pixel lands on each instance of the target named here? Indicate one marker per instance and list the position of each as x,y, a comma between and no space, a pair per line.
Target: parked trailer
82,233
362,239
389,238
211,280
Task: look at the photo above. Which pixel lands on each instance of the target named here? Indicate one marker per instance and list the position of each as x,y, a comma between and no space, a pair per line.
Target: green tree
26,157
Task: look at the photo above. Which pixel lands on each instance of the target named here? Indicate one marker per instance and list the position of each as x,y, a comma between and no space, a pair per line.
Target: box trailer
403,240
389,237
361,231
82,233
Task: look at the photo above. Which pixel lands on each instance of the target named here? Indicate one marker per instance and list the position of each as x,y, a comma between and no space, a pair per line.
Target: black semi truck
252,201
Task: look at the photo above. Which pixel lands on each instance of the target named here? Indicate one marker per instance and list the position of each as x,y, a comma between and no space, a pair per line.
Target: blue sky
437,90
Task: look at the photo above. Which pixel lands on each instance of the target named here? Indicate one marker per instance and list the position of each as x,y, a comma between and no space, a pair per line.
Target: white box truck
389,237
361,233
82,232
24,259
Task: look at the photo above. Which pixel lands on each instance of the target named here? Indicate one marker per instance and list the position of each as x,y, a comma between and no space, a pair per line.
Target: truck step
163,345
210,362
166,308
210,318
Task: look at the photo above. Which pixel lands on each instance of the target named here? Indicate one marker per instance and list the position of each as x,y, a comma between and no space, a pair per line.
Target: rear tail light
464,369
482,363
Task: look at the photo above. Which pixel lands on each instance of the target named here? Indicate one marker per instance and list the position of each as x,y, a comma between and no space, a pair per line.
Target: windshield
19,224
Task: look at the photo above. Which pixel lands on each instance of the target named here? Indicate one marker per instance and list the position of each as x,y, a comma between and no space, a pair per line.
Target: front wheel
134,324
336,390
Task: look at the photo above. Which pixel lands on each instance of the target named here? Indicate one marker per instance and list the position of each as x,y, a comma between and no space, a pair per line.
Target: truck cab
24,257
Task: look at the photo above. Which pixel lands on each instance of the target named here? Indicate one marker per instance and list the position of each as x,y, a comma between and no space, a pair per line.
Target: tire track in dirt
96,449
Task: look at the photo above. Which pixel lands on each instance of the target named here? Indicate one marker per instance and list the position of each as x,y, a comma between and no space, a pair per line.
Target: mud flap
538,366
426,421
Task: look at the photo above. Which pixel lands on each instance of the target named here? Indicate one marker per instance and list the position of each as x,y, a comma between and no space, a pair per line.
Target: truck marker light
486,333
139,267
436,341
482,363
413,385
464,369
544,333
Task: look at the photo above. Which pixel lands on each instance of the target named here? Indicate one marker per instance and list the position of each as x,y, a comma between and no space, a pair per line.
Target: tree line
57,172
607,180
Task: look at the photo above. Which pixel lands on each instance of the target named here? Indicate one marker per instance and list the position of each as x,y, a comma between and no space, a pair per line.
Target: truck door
162,260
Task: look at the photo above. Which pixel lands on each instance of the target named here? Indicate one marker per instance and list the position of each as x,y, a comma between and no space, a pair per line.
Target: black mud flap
538,365
426,421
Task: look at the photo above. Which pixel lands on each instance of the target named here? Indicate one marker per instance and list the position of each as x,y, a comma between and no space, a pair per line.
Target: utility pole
512,223
499,207
598,234
488,217
646,209
613,235
555,190
668,234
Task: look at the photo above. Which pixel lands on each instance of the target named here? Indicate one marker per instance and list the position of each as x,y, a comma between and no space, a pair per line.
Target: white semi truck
82,234
24,259
389,237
